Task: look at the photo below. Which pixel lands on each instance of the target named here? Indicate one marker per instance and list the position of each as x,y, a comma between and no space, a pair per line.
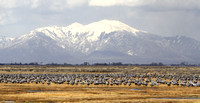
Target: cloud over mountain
164,17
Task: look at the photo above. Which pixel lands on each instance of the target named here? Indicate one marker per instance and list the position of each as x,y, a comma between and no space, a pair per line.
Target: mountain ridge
102,41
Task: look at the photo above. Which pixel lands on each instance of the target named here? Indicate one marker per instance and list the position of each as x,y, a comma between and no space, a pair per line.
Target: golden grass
93,93
98,93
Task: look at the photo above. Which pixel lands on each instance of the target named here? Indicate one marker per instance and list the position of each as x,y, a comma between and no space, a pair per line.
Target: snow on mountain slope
92,31
109,26
102,41
78,37
4,41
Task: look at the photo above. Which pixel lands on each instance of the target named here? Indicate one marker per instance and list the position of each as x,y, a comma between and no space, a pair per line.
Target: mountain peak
75,25
91,32
110,22
47,28
110,26
102,41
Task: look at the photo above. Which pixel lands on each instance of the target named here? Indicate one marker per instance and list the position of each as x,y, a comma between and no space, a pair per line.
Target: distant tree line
102,64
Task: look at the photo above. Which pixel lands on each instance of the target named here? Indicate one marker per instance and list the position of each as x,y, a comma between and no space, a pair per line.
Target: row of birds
104,79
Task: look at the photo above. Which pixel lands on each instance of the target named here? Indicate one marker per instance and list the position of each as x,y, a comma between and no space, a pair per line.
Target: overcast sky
163,17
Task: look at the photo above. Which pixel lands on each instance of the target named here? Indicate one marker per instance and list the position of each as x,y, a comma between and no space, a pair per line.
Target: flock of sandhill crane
104,79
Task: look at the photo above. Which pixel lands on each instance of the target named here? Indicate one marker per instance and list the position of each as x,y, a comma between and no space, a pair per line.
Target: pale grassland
100,69
100,93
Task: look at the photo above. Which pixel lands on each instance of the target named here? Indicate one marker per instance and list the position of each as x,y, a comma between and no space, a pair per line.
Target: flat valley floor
97,93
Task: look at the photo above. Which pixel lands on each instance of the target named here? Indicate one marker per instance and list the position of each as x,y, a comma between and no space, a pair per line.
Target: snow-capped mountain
4,40
102,41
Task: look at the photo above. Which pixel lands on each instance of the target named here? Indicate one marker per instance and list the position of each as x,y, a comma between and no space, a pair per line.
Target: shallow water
7,101
34,91
179,98
135,89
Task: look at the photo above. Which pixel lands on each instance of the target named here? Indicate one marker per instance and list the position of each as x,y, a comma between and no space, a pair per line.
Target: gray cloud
59,5
118,2
34,4
6,17
164,17
161,4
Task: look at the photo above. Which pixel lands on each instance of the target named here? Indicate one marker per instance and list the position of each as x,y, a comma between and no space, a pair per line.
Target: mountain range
103,41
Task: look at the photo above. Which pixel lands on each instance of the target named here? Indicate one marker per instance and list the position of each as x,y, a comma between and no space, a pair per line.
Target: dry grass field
97,93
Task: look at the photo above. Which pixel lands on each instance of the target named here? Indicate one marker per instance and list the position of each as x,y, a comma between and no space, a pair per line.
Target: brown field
98,93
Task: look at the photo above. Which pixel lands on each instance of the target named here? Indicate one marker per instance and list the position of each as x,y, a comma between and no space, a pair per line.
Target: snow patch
86,50
130,52
62,46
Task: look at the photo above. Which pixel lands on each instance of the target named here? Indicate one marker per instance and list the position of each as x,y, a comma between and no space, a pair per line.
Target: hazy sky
163,17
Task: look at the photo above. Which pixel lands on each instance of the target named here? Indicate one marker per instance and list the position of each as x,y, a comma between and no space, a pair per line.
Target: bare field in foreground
97,93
